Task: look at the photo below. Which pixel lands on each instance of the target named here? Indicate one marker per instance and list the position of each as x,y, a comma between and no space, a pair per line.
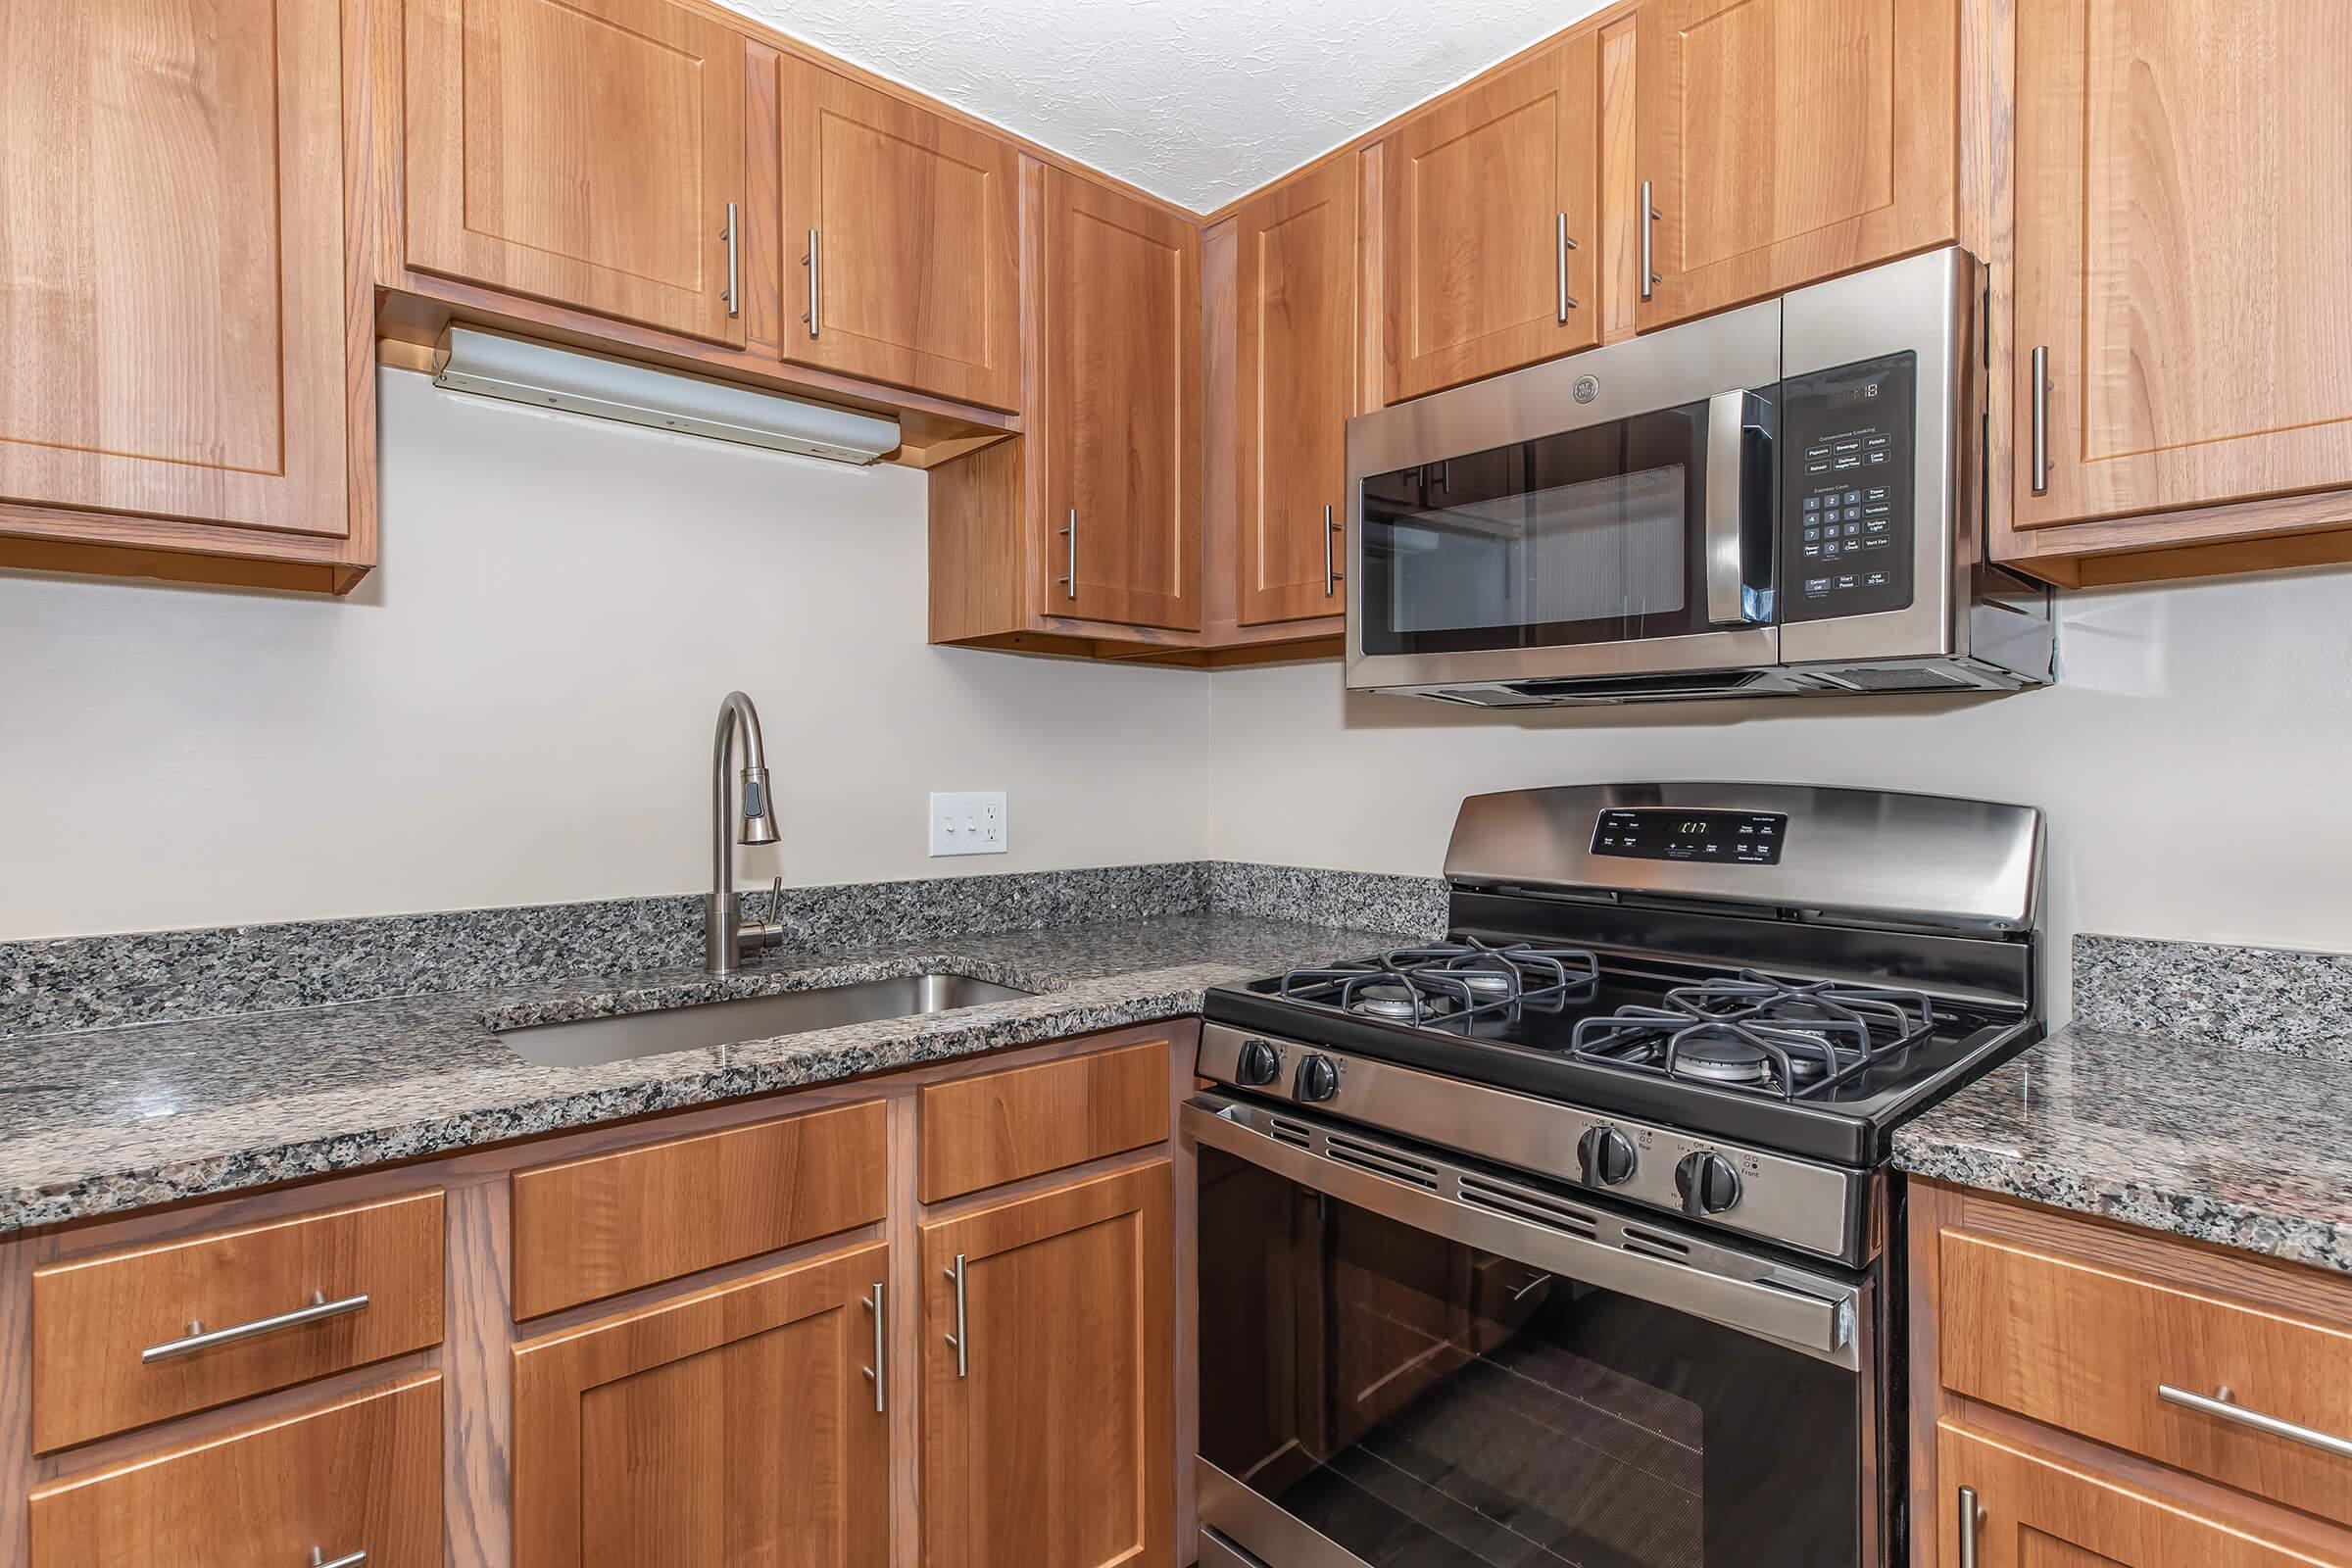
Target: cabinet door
907,227
1048,1434
1121,421
1296,344
2181,226
2040,1513
579,151
172,260
734,1425
1490,246
361,1475
1789,140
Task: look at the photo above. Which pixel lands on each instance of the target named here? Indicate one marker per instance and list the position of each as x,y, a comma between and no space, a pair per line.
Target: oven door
1407,1358
1604,516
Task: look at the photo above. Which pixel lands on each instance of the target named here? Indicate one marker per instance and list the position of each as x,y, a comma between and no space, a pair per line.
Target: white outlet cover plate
968,823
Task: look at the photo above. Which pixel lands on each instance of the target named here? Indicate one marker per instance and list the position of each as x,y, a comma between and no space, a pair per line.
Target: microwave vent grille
1899,678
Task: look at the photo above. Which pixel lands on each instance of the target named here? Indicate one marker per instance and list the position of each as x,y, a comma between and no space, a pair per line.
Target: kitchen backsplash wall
517,707
2191,761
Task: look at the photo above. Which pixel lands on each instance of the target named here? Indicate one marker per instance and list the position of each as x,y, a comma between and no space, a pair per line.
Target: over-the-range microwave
1782,498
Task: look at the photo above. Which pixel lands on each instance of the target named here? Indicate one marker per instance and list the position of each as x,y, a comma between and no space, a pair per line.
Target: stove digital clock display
1656,833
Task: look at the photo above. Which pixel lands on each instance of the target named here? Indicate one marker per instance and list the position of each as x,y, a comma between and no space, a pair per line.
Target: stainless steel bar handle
1069,578
2222,1406
1727,603
1972,1519
734,264
880,1372
1333,576
1649,216
814,261
319,1559
199,1338
2041,419
1562,247
960,1338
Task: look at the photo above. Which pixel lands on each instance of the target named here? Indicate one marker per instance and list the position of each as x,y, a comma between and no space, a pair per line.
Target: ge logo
1587,388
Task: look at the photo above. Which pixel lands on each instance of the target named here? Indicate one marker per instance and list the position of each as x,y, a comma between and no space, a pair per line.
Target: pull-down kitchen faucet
727,940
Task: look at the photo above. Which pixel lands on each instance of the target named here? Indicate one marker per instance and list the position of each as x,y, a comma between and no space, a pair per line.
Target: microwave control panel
1846,489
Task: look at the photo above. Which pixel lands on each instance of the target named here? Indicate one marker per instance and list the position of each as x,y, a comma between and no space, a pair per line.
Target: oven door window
1596,535
1421,1402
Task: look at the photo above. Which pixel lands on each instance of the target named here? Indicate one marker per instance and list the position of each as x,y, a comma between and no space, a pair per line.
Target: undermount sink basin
587,1042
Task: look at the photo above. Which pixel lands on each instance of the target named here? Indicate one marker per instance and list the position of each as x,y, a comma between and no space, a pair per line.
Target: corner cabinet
1048,1413
1490,243
188,361
1784,141
1294,388
2179,292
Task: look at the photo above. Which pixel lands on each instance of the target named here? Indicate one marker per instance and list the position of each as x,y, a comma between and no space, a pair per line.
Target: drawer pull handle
2222,1406
319,1559
200,1339
962,1338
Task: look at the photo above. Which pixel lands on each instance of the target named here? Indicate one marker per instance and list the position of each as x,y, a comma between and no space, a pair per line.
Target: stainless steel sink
586,1042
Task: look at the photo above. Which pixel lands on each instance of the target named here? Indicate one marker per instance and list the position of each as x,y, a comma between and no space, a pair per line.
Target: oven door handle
1821,1325
1724,528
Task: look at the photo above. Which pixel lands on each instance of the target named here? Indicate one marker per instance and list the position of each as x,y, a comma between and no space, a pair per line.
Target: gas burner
1720,1059
1447,982
1752,1031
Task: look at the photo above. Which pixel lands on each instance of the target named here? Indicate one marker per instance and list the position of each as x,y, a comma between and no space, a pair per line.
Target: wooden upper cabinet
2041,1512
1295,328
1785,142
2181,227
1049,1442
906,227
1121,413
583,152
172,323
732,1425
1490,245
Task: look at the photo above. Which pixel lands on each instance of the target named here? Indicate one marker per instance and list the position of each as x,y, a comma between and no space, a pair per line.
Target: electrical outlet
971,822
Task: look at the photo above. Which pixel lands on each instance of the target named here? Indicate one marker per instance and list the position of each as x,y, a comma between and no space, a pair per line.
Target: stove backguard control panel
1660,833
1846,483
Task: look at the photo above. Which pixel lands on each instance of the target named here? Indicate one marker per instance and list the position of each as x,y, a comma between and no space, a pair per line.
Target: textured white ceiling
1199,100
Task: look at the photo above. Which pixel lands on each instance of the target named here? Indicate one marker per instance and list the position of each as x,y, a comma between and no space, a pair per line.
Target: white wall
517,706
2194,761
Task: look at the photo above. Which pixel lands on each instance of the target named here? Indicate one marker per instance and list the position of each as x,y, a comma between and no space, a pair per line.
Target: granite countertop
2246,1147
105,1120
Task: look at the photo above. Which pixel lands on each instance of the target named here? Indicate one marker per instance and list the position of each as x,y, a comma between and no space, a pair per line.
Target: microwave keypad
1846,506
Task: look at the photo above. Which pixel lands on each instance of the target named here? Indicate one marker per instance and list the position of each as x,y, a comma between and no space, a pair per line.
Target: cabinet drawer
591,1228
361,1475
112,1334
1001,1126
2085,1347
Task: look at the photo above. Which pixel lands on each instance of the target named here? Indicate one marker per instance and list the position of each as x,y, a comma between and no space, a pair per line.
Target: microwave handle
1726,483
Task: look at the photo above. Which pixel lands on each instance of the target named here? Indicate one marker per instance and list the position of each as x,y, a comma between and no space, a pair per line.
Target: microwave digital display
1660,833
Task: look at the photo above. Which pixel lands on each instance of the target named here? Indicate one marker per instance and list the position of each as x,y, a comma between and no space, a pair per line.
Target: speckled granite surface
2245,1148
105,1120
96,982
2252,998
1362,899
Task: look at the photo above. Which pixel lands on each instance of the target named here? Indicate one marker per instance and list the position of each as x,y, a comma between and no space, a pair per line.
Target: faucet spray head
759,812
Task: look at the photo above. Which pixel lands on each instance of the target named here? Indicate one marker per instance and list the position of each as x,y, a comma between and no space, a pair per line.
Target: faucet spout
726,939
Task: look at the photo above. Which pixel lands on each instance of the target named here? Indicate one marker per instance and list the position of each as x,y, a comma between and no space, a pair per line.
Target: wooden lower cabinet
361,1475
1047,1421
2036,1511
731,1425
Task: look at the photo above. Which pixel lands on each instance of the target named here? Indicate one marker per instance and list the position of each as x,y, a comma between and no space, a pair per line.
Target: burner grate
1447,982
1754,1032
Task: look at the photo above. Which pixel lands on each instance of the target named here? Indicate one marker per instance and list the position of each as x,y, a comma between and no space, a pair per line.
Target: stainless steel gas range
1568,1239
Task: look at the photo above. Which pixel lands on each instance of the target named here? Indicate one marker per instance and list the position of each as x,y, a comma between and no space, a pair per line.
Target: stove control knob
1317,1079
1604,1157
1708,1182
1260,1063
